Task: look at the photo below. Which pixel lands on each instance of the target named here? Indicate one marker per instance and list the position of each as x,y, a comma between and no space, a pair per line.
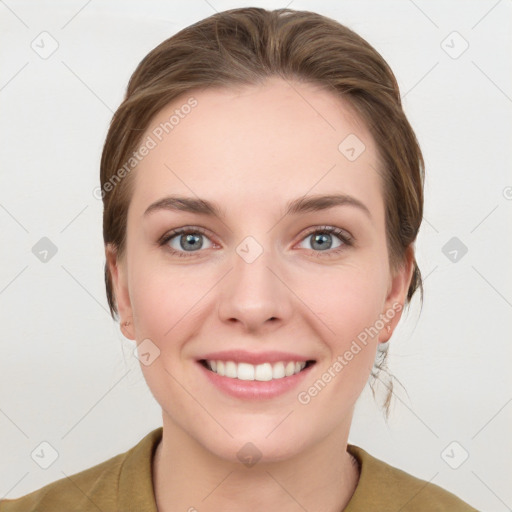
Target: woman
275,143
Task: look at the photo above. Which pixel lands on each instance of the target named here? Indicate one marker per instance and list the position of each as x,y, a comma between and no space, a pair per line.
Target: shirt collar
136,492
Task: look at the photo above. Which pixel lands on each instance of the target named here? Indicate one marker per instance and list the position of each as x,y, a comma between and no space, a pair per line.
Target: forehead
272,141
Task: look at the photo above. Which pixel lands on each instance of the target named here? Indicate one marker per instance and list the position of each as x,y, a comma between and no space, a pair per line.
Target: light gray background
67,375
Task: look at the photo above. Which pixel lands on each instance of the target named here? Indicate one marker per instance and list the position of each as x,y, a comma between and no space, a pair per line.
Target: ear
397,294
118,276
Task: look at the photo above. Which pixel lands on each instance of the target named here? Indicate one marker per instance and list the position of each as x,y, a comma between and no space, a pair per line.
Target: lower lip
254,389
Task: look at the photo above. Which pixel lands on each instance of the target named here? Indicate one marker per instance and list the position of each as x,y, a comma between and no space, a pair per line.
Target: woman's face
264,281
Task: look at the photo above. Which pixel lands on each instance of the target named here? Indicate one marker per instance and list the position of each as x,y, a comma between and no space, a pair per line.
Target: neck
187,477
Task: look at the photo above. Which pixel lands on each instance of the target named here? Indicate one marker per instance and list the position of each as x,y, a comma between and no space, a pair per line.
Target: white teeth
278,371
230,369
259,372
263,372
245,371
290,369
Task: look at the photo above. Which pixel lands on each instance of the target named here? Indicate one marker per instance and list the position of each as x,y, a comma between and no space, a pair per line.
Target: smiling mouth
259,372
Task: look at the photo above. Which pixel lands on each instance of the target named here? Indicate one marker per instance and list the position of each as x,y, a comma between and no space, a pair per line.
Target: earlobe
120,291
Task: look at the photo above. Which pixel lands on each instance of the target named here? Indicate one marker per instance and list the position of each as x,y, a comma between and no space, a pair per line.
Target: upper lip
242,356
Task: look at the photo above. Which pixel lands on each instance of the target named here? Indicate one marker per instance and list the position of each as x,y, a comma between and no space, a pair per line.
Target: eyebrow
304,204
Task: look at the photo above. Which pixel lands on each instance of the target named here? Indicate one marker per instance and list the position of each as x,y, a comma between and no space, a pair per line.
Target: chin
251,451
266,441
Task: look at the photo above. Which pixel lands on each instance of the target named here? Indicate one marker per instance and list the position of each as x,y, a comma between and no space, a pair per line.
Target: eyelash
347,240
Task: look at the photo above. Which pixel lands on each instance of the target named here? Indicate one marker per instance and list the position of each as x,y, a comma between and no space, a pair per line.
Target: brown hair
246,46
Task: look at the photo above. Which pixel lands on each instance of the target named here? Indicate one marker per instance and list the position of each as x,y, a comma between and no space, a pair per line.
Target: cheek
350,355
350,305
348,299
162,298
358,308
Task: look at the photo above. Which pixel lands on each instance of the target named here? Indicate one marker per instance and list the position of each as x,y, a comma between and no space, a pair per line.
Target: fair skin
252,150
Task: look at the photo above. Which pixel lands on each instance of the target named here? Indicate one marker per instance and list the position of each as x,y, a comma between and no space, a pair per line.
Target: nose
254,294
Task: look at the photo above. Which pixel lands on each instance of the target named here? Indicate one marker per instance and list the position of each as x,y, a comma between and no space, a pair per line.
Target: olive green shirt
124,484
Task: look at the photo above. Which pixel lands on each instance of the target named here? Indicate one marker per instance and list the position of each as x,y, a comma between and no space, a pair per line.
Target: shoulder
71,491
97,488
384,487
